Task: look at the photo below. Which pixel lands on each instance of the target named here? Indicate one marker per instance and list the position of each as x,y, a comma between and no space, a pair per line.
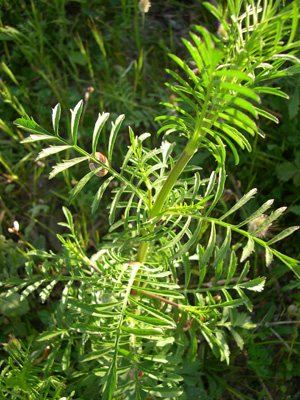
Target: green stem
187,154
172,178
185,157
154,296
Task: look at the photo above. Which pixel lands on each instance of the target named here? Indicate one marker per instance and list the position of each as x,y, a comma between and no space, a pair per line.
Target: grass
111,55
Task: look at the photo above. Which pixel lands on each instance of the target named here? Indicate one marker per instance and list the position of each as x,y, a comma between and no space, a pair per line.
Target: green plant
49,50
131,315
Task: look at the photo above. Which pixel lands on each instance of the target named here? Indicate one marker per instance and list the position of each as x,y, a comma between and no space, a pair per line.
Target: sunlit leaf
75,118
102,118
51,150
45,293
283,234
248,249
30,125
46,336
80,185
257,284
257,213
56,112
245,91
272,217
240,203
65,165
36,138
113,135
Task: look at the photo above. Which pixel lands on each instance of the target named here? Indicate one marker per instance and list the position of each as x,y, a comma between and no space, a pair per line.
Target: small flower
40,164
89,90
144,6
15,228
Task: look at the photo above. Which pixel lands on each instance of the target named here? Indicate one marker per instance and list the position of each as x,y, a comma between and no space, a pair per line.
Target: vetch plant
131,315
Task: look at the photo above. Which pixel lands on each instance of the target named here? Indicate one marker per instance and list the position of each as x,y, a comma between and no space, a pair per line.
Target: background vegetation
114,57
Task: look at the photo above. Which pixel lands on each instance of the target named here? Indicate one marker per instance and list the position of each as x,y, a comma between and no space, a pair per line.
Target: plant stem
171,180
187,154
154,296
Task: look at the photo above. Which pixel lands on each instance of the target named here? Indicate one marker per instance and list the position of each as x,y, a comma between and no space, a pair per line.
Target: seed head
255,224
144,6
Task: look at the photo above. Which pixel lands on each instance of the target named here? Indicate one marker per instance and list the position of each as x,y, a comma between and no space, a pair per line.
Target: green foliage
173,269
19,379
